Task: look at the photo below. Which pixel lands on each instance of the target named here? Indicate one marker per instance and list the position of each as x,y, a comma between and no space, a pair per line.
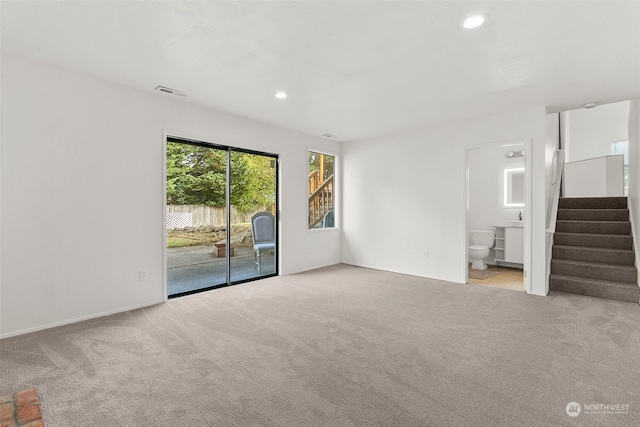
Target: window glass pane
253,210
321,190
196,204
621,147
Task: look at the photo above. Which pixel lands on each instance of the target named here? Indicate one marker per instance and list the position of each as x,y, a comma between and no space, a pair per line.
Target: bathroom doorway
497,230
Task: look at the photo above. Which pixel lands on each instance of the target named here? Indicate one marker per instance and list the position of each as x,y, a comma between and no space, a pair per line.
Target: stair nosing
591,199
599,211
598,281
597,222
591,234
594,264
595,248
593,209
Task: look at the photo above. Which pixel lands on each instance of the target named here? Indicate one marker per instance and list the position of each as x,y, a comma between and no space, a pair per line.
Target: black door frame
228,149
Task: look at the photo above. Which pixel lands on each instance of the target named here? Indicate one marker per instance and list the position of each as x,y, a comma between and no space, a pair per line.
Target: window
622,147
321,193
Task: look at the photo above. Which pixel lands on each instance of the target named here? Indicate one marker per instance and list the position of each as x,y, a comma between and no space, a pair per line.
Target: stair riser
609,242
593,203
575,286
611,273
618,228
594,255
593,215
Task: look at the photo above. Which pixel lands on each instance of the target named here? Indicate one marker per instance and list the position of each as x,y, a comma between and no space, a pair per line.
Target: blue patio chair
328,220
264,237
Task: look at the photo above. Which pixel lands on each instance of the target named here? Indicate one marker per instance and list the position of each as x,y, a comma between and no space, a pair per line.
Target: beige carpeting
339,346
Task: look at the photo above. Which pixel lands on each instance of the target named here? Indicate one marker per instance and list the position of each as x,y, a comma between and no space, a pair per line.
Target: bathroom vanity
509,246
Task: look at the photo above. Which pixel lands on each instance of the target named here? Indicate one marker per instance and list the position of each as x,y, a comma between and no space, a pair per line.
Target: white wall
552,188
486,181
73,149
552,143
596,177
403,196
591,131
634,173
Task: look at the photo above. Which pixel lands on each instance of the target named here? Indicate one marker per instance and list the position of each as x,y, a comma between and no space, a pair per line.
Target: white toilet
482,241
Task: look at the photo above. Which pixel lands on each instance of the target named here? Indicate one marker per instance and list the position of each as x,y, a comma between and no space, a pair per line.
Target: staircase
320,198
593,250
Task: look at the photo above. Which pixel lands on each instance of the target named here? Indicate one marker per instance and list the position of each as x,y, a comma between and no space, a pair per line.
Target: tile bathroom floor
509,278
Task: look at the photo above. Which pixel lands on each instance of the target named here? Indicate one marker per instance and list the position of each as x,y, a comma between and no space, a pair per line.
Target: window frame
336,191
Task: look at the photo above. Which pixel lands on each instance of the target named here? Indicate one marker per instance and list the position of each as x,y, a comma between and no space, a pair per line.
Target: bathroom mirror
514,188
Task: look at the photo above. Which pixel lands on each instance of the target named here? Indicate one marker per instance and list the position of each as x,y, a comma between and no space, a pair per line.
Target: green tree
327,162
197,176
253,181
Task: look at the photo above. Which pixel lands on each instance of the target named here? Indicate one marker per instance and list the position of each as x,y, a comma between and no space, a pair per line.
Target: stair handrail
323,208
557,167
314,181
325,184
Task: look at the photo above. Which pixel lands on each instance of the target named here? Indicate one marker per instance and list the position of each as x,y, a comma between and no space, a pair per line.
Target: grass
179,242
182,238
178,239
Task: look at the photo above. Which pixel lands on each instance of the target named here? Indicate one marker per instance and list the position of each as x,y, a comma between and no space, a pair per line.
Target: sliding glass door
253,205
221,226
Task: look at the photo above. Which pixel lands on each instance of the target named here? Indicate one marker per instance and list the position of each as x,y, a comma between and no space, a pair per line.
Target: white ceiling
355,69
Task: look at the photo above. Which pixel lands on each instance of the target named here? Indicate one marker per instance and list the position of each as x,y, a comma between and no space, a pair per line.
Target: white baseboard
442,279
75,320
302,270
538,294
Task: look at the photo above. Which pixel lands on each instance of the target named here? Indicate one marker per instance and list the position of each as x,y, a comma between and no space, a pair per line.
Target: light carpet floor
339,346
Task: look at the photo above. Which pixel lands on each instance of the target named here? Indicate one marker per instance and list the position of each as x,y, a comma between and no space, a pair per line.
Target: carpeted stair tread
612,241
597,255
593,203
619,291
594,227
601,271
593,214
593,252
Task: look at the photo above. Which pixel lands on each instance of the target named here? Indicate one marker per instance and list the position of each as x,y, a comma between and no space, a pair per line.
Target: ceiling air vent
170,91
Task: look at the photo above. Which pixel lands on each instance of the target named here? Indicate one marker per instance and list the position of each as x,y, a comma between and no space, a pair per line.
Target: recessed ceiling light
474,21
280,95
590,104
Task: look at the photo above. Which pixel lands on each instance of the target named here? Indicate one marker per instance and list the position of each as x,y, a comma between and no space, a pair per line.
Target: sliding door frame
228,149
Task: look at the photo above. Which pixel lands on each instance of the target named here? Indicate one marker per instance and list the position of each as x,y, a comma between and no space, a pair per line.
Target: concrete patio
192,268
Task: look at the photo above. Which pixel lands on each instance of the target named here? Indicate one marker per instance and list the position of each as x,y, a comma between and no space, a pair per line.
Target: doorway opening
221,225
497,230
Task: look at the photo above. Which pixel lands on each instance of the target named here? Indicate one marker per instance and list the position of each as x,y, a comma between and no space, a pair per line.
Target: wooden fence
180,216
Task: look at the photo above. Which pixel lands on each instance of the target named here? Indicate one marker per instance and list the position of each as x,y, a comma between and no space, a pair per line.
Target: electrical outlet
142,275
